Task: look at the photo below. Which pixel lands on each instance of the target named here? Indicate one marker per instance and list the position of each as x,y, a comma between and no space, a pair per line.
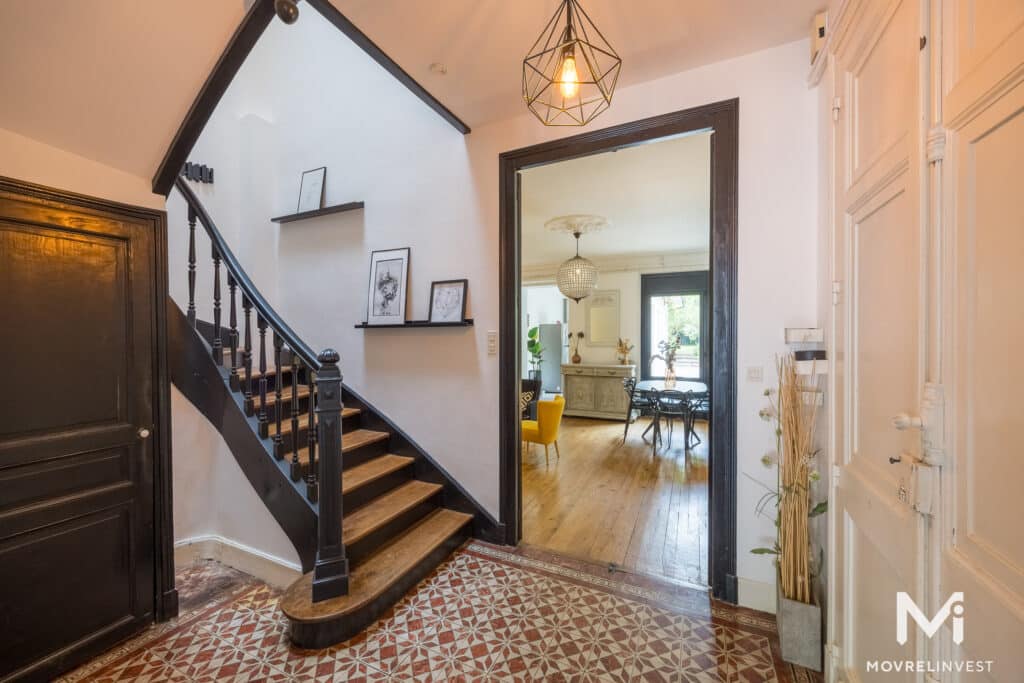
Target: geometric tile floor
484,615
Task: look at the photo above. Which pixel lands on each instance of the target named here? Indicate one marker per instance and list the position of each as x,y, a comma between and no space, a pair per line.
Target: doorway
720,122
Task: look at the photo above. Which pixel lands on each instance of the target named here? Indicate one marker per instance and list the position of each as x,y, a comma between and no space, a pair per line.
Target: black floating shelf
337,208
468,322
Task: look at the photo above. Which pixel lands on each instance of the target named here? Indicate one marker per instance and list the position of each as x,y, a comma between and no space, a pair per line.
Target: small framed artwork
448,301
311,190
389,276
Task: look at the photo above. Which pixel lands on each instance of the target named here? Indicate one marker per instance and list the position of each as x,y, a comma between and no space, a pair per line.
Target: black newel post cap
329,356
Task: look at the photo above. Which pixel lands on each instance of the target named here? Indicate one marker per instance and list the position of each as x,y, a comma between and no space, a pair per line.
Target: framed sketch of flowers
448,301
389,277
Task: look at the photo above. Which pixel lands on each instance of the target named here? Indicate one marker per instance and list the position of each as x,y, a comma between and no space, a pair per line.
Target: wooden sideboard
596,390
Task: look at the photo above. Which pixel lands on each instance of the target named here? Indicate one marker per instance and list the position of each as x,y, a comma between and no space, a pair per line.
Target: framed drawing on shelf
448,301
389,277
311,190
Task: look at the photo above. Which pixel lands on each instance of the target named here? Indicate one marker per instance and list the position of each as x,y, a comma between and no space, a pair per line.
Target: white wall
26,159
323,102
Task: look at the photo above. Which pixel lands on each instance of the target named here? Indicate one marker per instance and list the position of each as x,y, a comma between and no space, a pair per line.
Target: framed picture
448,301
389,276
311,190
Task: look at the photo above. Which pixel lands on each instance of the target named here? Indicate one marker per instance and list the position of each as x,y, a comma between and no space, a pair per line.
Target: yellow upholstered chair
544,430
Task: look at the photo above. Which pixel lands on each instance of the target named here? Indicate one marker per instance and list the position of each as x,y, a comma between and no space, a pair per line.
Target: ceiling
482,44
656,196
110,80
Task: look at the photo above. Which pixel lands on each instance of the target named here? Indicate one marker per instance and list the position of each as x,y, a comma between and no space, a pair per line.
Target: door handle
903,422
143,433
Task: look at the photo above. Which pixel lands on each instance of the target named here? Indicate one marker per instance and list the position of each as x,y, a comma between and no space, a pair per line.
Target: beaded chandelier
577,277
571,71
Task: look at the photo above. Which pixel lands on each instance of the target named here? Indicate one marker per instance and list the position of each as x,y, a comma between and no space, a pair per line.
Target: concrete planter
799,627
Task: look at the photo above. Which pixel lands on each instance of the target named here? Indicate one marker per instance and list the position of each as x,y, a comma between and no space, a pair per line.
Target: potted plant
667,349
536,351
799,611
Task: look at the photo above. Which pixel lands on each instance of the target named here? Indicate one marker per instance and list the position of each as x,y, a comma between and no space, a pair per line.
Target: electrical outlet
755,373
492,343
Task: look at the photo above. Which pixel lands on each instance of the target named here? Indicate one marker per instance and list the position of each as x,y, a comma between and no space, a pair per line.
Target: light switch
492,343
755,373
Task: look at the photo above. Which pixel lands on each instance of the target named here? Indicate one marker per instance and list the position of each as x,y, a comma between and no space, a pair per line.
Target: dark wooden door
77,422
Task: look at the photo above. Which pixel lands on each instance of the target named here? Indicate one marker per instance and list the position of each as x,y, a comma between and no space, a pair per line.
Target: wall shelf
337,208
468,322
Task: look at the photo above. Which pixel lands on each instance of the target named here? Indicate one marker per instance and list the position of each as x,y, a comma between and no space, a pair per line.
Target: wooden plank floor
612,503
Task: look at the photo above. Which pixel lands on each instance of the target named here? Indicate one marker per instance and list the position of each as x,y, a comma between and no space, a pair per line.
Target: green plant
667,349
535,348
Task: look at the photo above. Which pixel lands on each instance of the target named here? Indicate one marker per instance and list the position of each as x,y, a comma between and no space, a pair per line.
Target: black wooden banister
241,278
322,383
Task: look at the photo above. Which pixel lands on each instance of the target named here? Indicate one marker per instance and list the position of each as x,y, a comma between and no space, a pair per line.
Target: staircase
368,511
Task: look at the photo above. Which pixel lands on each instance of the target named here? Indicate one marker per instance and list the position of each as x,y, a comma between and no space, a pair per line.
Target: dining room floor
616,503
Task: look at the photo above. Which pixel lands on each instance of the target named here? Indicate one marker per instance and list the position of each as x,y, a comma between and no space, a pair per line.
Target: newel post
330,575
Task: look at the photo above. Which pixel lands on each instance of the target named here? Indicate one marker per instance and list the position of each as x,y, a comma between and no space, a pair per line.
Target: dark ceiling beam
248,32
333,15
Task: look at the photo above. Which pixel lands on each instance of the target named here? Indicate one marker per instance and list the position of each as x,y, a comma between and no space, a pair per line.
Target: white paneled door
928,334
982,540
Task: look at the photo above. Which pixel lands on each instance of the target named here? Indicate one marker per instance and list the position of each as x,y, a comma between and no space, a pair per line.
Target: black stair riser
357,552
354,500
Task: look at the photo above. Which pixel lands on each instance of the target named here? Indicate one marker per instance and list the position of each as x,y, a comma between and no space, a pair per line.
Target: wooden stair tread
371,470
383,509
286,420
286,395
382,569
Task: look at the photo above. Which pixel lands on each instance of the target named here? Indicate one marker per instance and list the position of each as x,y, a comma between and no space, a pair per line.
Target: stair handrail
262,306
324,388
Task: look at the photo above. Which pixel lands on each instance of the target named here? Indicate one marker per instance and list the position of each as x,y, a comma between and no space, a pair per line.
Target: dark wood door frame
51,202
722,119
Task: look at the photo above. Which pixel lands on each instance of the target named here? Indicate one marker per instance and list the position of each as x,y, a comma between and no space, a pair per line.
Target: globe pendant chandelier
571,71
577,277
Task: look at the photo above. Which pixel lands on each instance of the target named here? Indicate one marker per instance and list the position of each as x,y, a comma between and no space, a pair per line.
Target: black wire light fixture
571,71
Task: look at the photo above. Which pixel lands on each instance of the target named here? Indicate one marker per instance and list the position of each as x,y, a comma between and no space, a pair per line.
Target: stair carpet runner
394,527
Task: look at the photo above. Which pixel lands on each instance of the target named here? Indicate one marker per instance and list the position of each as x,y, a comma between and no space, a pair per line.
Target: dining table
692,388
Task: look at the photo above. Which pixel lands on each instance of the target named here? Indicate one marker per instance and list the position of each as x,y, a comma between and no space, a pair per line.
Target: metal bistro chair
698,404
673,405
641,403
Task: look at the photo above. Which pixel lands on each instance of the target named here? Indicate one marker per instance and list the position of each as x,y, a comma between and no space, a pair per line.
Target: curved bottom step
376,584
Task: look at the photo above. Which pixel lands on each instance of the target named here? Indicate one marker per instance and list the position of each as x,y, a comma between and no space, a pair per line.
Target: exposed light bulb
570,80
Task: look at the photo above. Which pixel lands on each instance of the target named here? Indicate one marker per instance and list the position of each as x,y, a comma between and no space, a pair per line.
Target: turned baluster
247,381
191,267
233,334
264,427
218,345
330,573
278,403
296,469
311,470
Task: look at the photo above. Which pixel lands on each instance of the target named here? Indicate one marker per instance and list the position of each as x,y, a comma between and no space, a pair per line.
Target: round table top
683,385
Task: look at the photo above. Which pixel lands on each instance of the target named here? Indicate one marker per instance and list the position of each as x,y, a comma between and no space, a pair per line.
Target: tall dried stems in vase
796,421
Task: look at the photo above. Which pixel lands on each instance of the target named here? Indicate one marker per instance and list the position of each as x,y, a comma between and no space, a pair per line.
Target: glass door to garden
674,320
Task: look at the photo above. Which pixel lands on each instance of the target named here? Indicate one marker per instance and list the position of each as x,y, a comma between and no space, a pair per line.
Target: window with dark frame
675,304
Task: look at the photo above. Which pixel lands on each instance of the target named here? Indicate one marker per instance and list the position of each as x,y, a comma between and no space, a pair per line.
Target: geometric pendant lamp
570,74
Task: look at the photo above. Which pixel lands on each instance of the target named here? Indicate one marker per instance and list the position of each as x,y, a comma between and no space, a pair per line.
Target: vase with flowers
667,350
622,350
574,346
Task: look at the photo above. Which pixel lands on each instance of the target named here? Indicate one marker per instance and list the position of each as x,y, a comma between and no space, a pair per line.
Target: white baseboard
264,566
756,595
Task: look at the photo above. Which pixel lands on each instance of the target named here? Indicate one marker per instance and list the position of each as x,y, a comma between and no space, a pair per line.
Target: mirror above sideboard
602,316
